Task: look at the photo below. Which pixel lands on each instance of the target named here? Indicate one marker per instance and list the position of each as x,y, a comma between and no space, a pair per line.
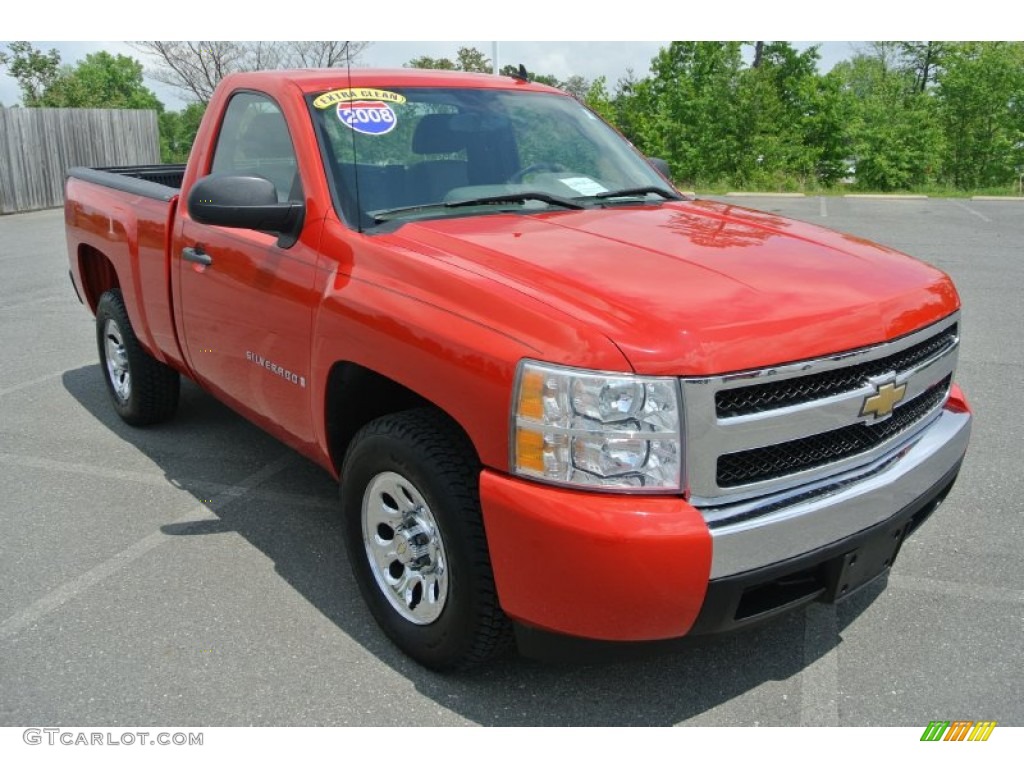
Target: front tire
416,543
144,390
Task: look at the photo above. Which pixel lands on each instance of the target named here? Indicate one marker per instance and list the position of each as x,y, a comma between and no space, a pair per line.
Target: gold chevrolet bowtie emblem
880,404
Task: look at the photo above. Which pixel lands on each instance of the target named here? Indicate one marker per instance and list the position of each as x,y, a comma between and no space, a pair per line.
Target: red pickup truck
558,394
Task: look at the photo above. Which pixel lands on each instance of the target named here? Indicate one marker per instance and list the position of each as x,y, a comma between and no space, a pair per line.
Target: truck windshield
399,154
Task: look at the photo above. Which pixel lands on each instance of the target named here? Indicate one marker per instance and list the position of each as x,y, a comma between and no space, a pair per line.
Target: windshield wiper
387,213
637,191
512,197
518,197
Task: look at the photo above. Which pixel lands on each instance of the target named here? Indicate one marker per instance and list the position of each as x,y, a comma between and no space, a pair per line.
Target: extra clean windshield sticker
364,110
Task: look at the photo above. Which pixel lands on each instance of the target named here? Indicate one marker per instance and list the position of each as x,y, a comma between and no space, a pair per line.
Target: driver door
246,302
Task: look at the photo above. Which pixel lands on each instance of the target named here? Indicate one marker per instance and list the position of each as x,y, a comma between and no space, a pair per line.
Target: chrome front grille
764,397
758,432
774,461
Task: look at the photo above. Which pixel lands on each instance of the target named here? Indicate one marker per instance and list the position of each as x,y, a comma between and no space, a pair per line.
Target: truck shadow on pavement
654,684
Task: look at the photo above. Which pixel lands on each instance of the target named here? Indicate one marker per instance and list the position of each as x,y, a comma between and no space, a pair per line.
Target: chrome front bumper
771,529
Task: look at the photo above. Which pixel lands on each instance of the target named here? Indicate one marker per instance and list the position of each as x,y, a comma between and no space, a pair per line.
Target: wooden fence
38,145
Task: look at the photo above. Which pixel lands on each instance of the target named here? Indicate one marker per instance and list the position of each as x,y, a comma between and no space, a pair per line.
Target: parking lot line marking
973,592
35,462
819,680
41,379
971,211
54,599
33,302
158,479
823,209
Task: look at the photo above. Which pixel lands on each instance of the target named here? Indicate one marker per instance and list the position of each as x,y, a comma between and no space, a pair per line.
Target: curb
889,197
997,198
765,194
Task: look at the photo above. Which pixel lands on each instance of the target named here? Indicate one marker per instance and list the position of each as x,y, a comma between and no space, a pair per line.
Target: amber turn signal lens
531,395
529,450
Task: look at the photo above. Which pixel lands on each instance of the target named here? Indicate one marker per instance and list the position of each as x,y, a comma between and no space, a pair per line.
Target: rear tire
416,543
143,390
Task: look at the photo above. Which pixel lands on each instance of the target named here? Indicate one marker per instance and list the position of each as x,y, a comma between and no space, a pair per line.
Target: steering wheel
521,174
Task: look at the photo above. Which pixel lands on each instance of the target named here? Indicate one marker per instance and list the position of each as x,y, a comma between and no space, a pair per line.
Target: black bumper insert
828,574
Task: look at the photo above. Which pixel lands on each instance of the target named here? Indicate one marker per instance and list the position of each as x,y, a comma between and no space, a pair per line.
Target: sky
559,58
608,40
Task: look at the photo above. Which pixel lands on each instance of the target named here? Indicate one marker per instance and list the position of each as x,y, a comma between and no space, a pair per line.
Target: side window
254,141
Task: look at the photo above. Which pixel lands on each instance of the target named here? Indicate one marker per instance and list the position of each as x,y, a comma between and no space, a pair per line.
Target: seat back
430,180
265,149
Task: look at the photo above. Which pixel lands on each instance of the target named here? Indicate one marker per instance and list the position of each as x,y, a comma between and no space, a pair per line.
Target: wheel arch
356,395
98,275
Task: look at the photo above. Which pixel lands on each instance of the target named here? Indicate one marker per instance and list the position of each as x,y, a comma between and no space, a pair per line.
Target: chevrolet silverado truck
560,396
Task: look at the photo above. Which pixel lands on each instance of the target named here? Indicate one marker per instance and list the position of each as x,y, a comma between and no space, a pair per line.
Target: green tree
688,111
980,97
599,100
472,60
775,103
628,109
426,62
178,132
101,81
924,59
577,85
895,136
825,129
467,59
34,70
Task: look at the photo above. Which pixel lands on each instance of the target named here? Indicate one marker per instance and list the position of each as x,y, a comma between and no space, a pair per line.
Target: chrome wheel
404,548
117,360
414,533
142,389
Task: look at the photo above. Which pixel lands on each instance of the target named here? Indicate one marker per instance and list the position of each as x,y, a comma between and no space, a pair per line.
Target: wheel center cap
413,546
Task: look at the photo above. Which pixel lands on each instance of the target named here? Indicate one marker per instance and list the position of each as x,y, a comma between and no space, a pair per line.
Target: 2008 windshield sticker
364,110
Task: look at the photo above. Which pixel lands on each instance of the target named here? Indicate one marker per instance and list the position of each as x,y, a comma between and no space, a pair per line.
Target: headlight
596,430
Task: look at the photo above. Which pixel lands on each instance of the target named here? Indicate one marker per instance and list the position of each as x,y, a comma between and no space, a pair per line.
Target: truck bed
120,219
160,182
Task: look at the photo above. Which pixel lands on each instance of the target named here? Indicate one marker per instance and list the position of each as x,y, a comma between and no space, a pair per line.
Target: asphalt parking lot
193,574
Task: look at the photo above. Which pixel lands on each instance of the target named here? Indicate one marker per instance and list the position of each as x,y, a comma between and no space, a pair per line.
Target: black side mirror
661,167
245,202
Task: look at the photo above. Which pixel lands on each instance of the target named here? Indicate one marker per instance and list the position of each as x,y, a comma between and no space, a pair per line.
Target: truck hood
696,288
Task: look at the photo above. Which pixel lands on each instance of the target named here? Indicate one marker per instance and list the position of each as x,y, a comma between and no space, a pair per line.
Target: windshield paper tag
364,110
583,185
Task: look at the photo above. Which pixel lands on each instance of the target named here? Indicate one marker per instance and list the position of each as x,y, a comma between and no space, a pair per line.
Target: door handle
197,256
